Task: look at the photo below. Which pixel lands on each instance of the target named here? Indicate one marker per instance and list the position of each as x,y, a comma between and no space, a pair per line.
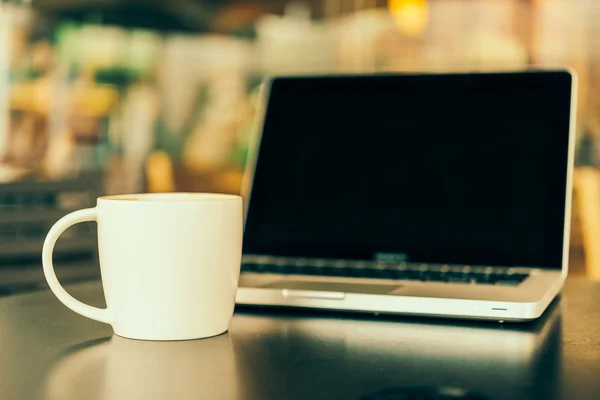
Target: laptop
445,195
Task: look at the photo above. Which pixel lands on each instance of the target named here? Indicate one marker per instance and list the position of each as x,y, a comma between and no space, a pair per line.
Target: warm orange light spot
411,16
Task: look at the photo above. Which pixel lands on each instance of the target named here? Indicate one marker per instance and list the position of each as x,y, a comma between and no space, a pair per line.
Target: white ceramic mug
170,263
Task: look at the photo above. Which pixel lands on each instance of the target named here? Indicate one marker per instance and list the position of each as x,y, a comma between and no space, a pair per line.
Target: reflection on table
263,357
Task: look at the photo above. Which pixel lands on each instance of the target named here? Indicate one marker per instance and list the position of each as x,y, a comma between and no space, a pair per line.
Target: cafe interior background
121,96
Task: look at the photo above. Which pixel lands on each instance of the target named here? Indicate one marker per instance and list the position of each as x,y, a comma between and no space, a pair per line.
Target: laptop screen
457,169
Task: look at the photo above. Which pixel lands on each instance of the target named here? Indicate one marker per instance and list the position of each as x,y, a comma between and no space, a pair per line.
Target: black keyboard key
386,274
249,267
332,271
401,274
435,276
275,268
495,277
413,275
459,278
367,273
352,272
258,268
289,269
395,274
310,271
514,277
508,283
481,278
511,279
270,269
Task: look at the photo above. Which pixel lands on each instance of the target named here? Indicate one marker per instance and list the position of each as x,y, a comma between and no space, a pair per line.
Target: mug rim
170,197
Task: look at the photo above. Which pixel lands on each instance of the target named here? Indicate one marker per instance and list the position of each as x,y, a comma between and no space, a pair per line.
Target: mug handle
85,215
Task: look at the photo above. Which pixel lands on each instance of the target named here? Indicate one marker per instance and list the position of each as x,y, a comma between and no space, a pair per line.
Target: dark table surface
48,352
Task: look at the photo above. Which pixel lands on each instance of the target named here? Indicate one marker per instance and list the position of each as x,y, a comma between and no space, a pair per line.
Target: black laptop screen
458,169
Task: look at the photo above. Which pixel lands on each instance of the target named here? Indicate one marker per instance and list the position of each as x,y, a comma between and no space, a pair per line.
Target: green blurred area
102,85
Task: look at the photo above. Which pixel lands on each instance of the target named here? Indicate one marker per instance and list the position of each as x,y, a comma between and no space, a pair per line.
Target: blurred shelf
28,209
229,182
30,277
586,217
80,245
15,215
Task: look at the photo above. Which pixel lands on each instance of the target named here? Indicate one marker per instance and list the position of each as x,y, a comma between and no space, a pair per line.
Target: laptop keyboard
373,270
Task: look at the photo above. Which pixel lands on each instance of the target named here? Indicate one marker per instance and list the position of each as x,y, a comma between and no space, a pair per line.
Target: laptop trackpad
342,287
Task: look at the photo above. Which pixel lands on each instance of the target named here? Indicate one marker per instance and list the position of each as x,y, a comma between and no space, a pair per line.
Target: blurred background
120,96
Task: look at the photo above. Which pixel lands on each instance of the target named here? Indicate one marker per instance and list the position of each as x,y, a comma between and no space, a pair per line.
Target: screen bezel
265,99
